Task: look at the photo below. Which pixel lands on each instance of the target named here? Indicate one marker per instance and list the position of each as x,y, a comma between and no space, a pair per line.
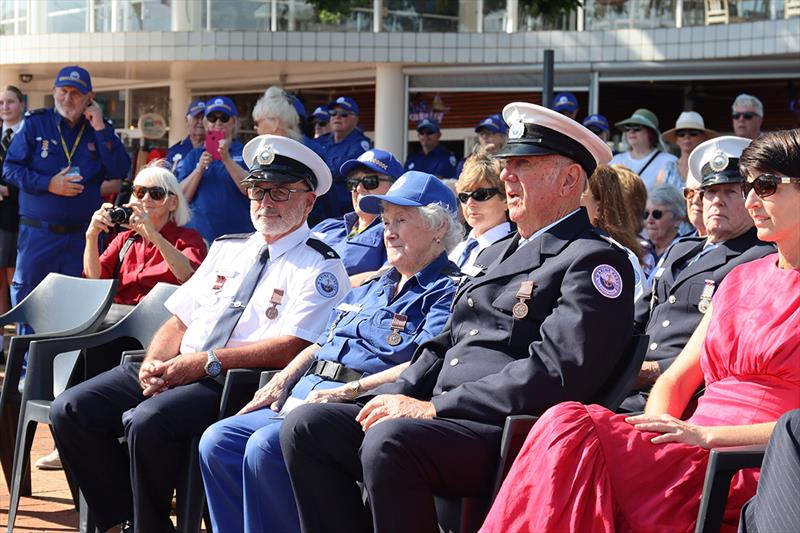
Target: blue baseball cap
565,102
198,106
428,125
412,189
74,76
298,106
346,103
380,161
493,123
321,114
597,121
221,104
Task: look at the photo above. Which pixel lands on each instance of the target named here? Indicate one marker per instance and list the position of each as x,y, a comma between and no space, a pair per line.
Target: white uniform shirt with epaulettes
310,274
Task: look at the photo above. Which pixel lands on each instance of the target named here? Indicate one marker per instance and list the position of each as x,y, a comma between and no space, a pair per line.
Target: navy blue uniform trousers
402,462
776,506
134,482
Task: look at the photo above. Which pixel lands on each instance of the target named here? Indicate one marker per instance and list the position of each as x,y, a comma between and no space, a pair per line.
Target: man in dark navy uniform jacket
544,320
690,271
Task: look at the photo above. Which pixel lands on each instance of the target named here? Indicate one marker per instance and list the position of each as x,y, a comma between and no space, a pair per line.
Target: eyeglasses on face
747,115
340,113
479,195
655,213
765,185
369,182
631,127
277,194
156,193
320,123
690,133
689,194
214,117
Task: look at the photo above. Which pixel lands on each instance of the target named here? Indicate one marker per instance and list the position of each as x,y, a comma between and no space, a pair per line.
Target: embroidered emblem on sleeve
327,285
607,281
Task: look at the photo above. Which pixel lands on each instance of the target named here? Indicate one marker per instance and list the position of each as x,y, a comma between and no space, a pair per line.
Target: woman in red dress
585,469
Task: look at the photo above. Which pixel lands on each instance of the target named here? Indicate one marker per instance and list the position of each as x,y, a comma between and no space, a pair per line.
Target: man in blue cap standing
566,104
492,136
433,158
58,161
344,142
197,134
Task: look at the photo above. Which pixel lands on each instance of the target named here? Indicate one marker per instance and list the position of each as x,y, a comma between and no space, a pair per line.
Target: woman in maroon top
160,248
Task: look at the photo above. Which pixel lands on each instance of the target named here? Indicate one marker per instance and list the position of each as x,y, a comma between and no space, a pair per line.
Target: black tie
222,330
4,142
465,253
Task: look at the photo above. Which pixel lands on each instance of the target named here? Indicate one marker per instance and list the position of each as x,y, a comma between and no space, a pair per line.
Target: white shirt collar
490,236
285,243
523,242
15,128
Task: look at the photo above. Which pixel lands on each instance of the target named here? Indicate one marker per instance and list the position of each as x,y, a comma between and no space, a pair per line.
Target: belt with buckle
55,228
335,371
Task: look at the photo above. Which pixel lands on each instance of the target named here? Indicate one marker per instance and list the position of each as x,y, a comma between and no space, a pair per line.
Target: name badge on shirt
471,270
349,308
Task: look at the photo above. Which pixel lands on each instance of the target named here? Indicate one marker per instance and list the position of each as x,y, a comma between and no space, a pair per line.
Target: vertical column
186,15
512,14
377,15
594,93
179,99
389,119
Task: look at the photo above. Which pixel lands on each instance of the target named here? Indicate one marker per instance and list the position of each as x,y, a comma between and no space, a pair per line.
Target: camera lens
120,215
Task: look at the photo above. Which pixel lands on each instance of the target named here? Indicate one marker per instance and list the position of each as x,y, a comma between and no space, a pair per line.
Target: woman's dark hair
15,90
775,152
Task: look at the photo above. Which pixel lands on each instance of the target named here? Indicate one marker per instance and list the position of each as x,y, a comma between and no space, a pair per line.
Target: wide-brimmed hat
688,120
643,117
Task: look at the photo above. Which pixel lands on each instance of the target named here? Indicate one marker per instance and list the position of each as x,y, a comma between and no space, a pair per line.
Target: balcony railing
70,16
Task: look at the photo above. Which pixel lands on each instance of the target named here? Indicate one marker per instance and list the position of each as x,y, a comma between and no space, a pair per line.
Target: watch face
213,368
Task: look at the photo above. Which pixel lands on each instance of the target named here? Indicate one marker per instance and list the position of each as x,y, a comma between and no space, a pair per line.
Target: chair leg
9,421
191,497
22,451
86,520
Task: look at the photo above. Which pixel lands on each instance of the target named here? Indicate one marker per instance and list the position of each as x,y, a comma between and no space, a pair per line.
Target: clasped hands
156,376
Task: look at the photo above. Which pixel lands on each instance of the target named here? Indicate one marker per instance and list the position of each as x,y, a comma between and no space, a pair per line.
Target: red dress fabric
584,469
143,265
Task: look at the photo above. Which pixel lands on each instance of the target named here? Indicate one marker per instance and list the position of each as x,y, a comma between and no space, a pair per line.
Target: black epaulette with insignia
230,236
32,112
325,251
453,272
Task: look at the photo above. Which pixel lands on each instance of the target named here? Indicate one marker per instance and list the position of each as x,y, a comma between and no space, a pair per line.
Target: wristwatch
213,366
354,387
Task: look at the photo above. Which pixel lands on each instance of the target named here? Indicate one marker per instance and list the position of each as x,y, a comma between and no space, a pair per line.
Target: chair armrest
132,356
515,431
723,463
240,385
266,376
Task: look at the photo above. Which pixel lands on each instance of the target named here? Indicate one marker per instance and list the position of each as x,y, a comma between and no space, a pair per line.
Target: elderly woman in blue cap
358,236
369,340
646,155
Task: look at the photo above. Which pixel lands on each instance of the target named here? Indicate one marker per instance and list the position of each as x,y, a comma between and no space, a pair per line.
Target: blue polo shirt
362,252
440,162
36,154
338,200
181,149
358,331
218,206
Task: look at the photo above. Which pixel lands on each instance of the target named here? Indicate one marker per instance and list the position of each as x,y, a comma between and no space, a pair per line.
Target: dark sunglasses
320,123
690,133
340,113
156,193
370,182
277,194
479,195
689,193
746,115
633,128
657,214
765,185
214,117
596,131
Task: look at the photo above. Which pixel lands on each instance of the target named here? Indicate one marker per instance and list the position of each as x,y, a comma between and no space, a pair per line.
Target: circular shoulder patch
327,285
607,281
365,145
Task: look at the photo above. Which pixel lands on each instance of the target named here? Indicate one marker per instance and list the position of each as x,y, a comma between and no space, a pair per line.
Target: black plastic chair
140,324
723,463
465,515
60,306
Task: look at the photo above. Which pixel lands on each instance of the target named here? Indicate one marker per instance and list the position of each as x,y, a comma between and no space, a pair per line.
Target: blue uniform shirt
182,149
218,206
338,200
357,333
363,252
36,155
440,162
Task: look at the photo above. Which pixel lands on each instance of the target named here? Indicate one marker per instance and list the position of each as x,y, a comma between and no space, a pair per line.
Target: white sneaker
51,461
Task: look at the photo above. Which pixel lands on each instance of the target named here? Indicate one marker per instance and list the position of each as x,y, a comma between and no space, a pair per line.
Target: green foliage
549,9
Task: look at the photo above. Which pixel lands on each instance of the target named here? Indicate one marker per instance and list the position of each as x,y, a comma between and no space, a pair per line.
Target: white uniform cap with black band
272,158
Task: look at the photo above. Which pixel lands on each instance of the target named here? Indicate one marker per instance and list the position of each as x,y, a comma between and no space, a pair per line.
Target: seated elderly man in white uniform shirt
256,301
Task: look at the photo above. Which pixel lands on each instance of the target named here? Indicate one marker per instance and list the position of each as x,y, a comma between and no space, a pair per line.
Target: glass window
113,105
13,17
65,16
240,15
145,15
421,16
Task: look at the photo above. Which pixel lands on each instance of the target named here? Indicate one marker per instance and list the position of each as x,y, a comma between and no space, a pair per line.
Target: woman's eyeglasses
656,214
633,128
156,193
339,113
765,185
479,195
214,117
277,194
370,182
690,133
747,115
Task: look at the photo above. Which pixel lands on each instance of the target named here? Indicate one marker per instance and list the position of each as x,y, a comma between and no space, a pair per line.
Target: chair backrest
628,367
65,304
148,315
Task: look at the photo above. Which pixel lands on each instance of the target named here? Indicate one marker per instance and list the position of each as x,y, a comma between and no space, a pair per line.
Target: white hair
436,215
162,177
748,100
276,104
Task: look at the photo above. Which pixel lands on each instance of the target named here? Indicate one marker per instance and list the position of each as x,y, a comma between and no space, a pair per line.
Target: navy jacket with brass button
487,364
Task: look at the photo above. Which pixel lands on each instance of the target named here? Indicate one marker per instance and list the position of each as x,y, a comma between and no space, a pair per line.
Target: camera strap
124,250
